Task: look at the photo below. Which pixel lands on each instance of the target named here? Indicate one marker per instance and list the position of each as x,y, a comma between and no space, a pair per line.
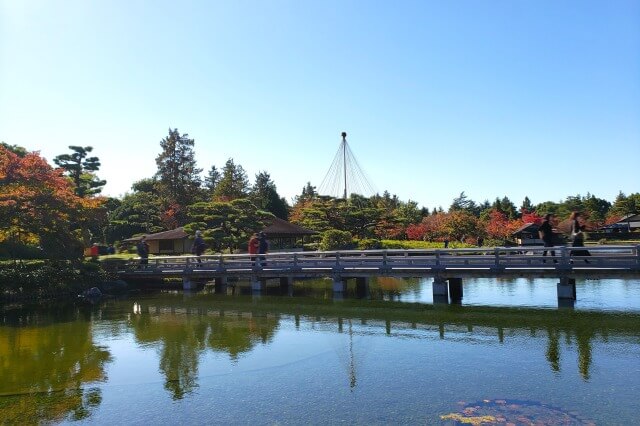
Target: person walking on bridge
143,251
263,247
545,231
198,246
254,245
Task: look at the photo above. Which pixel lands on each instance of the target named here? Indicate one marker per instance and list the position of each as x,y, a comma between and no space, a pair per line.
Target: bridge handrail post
295,260
384,259
220,262
565,257
496,255
338,259
438,258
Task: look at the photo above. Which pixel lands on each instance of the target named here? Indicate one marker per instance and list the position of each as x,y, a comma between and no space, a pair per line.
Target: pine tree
178,176
211,180
81,170
264,195
233,184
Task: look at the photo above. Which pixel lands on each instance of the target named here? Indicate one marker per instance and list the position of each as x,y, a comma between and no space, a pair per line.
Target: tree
233,184
506,206
178,176
334,239
463,203
227,224
460,225
81,170
18,150
526,206
39,206
308,193
265,196
138,213
498,225
211,181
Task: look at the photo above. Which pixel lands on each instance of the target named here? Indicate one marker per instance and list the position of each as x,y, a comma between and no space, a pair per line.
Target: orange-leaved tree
38,206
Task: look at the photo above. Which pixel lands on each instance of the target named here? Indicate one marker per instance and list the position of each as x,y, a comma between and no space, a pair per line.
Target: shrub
334,239
369,244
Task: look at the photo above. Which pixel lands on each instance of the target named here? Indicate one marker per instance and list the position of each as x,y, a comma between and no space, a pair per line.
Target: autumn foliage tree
38,205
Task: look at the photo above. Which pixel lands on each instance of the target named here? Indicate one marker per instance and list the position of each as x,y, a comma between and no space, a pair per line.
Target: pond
506,355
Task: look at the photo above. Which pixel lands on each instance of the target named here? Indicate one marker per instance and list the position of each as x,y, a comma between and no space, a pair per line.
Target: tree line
59,210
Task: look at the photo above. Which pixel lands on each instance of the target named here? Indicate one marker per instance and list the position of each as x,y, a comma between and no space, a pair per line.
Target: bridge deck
603,261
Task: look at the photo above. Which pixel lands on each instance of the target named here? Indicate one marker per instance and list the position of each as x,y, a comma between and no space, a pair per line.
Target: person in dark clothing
198,246
545,232
577,235
263,247
143,250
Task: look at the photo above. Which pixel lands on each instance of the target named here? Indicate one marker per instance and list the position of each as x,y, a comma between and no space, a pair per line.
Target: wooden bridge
446,266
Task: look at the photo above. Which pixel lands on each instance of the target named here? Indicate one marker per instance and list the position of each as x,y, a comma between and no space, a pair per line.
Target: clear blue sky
494,98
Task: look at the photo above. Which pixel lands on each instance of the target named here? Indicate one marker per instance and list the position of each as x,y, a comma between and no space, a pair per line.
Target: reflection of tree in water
553,349
583,337
44,368
184,337
584,351
239,335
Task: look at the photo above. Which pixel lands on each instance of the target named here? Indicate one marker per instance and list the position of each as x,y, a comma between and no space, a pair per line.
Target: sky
494,98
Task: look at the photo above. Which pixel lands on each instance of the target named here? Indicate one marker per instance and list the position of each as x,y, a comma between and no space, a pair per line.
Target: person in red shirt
254,245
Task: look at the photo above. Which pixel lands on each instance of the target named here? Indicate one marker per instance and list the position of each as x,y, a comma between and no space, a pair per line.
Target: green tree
265,196
463,203
18,150
526,206
211,181
597,209
624,206
227,225
334,239
177,175
81,170
233,184
137,213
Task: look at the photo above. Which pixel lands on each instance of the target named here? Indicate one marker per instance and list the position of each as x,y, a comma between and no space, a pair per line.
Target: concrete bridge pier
567,289
189,284
362,287
440,290
286,285
339,285
257,285
221,284
455,289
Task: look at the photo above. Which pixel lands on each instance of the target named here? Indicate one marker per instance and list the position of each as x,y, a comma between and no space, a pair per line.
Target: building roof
173,234
278,228
282,228
528,227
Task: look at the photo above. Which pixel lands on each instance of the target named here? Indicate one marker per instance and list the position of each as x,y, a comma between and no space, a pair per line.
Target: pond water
506,355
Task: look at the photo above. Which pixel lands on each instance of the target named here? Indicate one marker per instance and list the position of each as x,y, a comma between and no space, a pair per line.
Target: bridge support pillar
257,285
362,286
440,290
567,289
286,285
189,284
339,284
221,284
455,289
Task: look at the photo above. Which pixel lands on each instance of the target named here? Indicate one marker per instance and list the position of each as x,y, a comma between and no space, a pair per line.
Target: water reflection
186,327
45,364
183,334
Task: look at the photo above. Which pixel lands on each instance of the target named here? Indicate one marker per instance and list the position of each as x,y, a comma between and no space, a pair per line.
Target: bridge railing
618,257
